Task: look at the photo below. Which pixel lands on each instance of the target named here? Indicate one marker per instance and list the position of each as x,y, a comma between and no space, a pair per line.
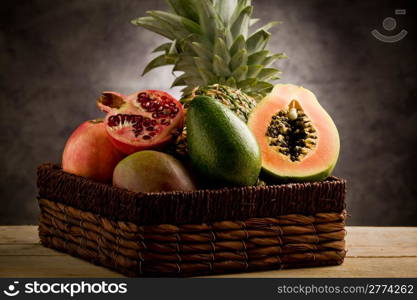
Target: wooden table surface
372,252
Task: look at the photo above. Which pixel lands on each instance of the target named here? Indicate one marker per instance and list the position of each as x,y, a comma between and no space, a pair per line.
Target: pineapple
211,45
237,101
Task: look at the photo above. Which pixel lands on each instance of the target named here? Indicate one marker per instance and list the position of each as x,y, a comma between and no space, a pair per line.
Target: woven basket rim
333,179
190,207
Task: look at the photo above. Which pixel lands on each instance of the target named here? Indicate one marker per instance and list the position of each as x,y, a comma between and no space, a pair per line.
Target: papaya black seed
291,135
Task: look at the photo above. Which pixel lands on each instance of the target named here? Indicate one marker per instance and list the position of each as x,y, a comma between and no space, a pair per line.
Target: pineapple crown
210,42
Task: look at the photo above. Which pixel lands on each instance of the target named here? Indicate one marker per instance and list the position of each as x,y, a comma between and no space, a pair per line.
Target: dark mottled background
56,57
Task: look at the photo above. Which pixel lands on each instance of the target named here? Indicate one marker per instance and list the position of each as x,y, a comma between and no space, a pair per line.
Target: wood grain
381,241
25,234
352,267
50,266
372,252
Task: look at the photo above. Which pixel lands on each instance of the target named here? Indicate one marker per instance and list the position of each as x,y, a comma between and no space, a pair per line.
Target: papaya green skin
151,172
327,164
272,177
222,149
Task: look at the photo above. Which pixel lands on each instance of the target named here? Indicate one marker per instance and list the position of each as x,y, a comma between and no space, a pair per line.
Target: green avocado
221,147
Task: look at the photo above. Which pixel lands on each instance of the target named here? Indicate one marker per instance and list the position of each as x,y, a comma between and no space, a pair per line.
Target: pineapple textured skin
237,101
212,45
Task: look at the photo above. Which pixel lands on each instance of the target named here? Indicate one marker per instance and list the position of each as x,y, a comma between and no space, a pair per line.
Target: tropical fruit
89,153
213,45
221,146
147,119
298,139
151,171
211,42
237,101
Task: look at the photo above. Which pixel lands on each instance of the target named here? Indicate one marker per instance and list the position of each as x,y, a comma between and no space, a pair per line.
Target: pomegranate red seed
150,116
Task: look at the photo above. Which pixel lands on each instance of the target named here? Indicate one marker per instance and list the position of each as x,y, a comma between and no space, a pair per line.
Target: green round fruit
152,171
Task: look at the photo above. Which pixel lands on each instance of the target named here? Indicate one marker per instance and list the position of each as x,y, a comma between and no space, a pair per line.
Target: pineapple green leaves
211,42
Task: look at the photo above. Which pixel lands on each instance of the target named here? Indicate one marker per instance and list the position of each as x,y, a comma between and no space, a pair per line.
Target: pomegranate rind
110,100
123,137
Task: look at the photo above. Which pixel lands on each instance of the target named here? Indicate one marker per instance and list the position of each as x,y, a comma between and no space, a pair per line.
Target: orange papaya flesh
298,139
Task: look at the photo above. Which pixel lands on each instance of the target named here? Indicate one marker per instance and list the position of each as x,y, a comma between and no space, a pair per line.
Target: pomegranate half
147,119
89,153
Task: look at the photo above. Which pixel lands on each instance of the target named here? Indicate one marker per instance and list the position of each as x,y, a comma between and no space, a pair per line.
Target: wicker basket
193,233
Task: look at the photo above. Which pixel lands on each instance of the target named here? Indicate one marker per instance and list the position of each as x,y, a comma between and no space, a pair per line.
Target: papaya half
298,139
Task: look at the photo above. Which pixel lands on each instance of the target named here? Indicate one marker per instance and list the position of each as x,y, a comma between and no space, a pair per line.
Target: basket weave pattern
184,249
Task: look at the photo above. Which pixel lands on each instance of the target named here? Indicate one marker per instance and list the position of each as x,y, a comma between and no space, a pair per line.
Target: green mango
222,149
